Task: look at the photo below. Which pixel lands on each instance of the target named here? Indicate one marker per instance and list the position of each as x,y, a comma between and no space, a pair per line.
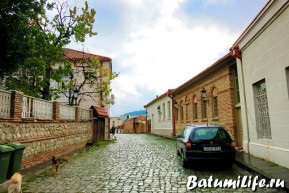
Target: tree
48,38
84,78
16,32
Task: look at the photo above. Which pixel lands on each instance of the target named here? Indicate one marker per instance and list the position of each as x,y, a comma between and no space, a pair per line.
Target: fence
15,105
5,104
46,128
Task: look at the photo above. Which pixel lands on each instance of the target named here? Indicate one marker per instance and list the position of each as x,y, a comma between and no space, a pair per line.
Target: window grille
263,119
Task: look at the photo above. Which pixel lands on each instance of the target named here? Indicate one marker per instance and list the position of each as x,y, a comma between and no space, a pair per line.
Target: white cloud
155,46
171,51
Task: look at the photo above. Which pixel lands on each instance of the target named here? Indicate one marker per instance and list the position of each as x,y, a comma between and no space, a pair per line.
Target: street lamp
203,93
175,104
75,95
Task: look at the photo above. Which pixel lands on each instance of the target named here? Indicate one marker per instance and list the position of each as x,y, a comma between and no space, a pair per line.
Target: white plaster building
262,53
160,116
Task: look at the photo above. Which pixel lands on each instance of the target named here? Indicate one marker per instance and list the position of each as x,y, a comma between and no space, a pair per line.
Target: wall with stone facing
46,128
44,139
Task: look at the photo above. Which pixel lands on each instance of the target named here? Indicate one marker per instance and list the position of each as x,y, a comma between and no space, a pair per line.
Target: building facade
262,60
100,70
135,125
211,97
159,116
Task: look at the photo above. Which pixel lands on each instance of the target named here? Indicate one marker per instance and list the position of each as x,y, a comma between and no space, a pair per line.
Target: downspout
236,52
173,113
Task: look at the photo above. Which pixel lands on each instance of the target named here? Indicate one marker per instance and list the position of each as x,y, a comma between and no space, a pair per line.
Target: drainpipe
173,113
236,52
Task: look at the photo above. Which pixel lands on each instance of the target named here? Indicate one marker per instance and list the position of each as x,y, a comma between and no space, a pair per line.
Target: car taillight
233,146
188,145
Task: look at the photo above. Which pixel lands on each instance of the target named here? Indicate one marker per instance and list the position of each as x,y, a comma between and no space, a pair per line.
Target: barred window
262,111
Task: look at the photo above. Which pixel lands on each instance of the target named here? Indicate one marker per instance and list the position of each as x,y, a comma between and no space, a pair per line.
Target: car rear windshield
210,133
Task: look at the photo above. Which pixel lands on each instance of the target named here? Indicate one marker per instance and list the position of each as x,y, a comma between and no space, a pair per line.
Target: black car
206,143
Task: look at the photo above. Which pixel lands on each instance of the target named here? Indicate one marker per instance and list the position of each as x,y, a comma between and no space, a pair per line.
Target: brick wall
219,81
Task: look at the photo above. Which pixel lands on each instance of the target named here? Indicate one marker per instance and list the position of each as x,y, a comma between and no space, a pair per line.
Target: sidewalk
264,168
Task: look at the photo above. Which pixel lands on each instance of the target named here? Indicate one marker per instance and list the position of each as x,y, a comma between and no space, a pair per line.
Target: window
262,111
159,112
169,109
215,103
177,114
234,73
204,108
182,112
187,111
215,106
164,111
195,108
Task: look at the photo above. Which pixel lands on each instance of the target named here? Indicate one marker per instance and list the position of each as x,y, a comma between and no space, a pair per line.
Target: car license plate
212,148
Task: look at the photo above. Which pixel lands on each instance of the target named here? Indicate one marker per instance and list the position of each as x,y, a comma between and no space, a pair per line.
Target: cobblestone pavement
134,163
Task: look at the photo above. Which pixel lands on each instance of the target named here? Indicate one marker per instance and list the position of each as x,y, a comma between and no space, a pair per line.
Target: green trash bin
5,154
16,158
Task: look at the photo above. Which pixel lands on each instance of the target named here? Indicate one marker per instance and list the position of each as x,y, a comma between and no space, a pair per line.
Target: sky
156,45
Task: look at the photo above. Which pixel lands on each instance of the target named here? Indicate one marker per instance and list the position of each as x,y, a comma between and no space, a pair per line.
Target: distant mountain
133,114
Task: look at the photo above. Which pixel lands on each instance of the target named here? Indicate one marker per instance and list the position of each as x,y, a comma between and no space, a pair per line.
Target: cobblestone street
134,163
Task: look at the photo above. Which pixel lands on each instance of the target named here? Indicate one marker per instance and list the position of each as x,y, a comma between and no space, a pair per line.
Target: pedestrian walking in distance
112,131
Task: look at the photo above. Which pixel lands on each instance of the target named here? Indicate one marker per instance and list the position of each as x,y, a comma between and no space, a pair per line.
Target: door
98,129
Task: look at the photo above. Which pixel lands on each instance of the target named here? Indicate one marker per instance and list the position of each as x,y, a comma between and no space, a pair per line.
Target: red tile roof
100,111
75,55
140,118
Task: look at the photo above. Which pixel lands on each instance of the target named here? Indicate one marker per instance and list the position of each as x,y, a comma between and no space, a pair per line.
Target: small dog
15,182
63,159
56,163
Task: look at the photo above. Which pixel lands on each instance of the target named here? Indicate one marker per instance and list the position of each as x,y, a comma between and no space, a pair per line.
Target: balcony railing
85,115
36,108
67,112
5,104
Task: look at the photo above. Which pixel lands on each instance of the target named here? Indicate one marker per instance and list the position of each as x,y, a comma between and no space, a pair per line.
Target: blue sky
157,45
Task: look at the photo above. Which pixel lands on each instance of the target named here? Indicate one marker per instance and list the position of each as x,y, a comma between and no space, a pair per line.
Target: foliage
16,32
87,72
46,39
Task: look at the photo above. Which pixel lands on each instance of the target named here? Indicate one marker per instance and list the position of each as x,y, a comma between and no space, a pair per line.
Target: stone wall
43,137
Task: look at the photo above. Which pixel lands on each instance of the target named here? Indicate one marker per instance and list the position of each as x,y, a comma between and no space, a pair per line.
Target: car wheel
184,162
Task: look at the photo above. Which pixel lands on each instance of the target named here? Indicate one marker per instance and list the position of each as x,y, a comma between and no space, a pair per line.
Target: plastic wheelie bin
5,154
16,158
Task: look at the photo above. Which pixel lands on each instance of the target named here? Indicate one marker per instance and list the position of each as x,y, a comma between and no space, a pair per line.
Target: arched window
204,108
215,108
182,111
195,107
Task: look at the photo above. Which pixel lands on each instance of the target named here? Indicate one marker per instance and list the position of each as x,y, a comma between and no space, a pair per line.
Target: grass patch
95,146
